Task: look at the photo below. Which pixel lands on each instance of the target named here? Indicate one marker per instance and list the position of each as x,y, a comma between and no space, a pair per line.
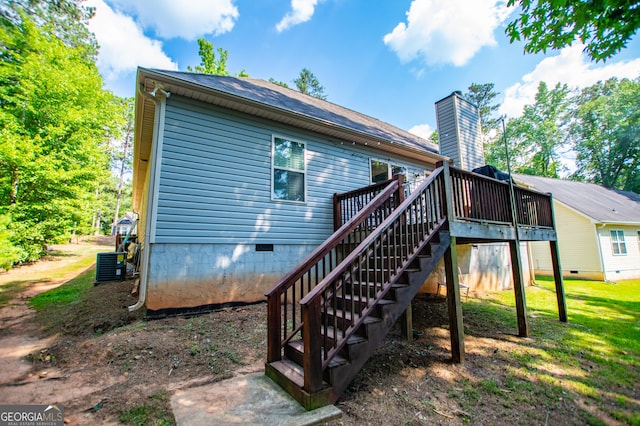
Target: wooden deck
328,315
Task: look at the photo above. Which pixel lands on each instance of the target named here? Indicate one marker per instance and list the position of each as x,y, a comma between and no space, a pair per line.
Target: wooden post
400,198
274,327
518,286
454,305
557,277
337,212
312,358
557,268
407,323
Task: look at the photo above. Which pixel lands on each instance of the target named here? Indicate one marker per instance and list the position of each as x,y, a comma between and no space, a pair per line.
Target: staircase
327,316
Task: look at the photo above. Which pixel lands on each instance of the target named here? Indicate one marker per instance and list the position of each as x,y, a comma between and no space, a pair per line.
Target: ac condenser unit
111,266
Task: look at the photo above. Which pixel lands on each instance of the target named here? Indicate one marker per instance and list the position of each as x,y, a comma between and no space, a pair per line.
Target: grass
60,265
61,297
594,358
155,411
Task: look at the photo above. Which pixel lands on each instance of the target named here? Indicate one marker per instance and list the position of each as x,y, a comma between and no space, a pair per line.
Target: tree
279,83
209,63
308,84
433,138
66,19
55,122
483,96
124,157
536,137
606,133
604,27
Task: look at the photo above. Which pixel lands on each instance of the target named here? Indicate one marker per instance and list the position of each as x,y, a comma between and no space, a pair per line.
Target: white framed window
383,170
288,170
617,242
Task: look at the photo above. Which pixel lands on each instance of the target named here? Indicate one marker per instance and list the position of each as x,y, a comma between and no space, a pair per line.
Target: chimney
459,131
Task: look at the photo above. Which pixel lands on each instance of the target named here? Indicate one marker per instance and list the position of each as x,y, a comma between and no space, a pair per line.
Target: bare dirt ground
108,366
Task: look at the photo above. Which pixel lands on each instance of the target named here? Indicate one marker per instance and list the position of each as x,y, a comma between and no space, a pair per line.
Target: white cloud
123,46
422,130
442,32
184,19
301,11
572,67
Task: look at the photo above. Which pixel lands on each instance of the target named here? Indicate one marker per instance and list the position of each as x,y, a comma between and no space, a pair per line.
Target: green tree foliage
604,26
606,133
66,19
210,63
484,97
279,83
55,121
433,138
309,84
535,138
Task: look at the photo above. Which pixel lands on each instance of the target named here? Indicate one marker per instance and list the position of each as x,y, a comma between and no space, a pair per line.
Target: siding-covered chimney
459,131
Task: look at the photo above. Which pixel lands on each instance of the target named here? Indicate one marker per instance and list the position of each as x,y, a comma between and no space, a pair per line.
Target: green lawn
594,358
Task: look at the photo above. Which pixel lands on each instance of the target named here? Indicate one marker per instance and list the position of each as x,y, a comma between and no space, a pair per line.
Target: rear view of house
234,181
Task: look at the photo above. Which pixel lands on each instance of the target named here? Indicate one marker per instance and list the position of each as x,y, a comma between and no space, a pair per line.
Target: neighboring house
125,224
598,230
234,180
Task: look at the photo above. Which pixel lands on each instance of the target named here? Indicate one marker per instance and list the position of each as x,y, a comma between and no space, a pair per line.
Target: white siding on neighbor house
623,266
579,254
215,179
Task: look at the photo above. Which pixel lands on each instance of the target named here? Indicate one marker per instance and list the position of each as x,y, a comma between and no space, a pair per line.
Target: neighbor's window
288,170
617,242
382,170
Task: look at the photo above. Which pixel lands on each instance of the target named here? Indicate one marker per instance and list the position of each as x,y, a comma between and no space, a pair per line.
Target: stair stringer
358,354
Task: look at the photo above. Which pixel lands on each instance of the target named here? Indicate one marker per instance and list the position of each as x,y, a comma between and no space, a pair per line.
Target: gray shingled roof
282,98
595,201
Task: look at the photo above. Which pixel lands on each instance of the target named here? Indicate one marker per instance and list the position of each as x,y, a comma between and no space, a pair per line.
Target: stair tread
336,361
370,319
290,370
363,298
353,339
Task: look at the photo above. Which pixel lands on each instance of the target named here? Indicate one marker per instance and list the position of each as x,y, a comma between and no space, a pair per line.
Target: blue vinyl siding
215,183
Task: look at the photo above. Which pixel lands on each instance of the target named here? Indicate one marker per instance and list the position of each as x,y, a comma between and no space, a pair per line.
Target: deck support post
454,304
406,323
518,286
557,277
557,269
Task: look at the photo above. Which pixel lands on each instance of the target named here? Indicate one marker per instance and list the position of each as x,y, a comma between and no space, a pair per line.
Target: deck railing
481,198
348,204
533,208
339,304
284,315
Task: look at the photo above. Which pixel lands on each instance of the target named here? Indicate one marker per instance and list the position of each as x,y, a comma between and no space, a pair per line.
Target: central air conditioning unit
111,266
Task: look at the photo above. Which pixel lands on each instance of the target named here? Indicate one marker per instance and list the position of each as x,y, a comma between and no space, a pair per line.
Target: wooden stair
288,372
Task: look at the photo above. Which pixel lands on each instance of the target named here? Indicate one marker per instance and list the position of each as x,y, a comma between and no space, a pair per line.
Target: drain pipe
159,102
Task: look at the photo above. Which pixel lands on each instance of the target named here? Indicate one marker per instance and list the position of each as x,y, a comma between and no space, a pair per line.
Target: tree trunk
124,159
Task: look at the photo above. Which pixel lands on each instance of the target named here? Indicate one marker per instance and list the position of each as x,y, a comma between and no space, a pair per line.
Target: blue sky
388,59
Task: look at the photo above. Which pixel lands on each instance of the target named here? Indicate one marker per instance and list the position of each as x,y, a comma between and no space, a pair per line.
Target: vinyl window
617,242
383,170
289,169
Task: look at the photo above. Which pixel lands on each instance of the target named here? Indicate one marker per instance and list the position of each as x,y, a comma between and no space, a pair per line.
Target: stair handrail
275,338
317,356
